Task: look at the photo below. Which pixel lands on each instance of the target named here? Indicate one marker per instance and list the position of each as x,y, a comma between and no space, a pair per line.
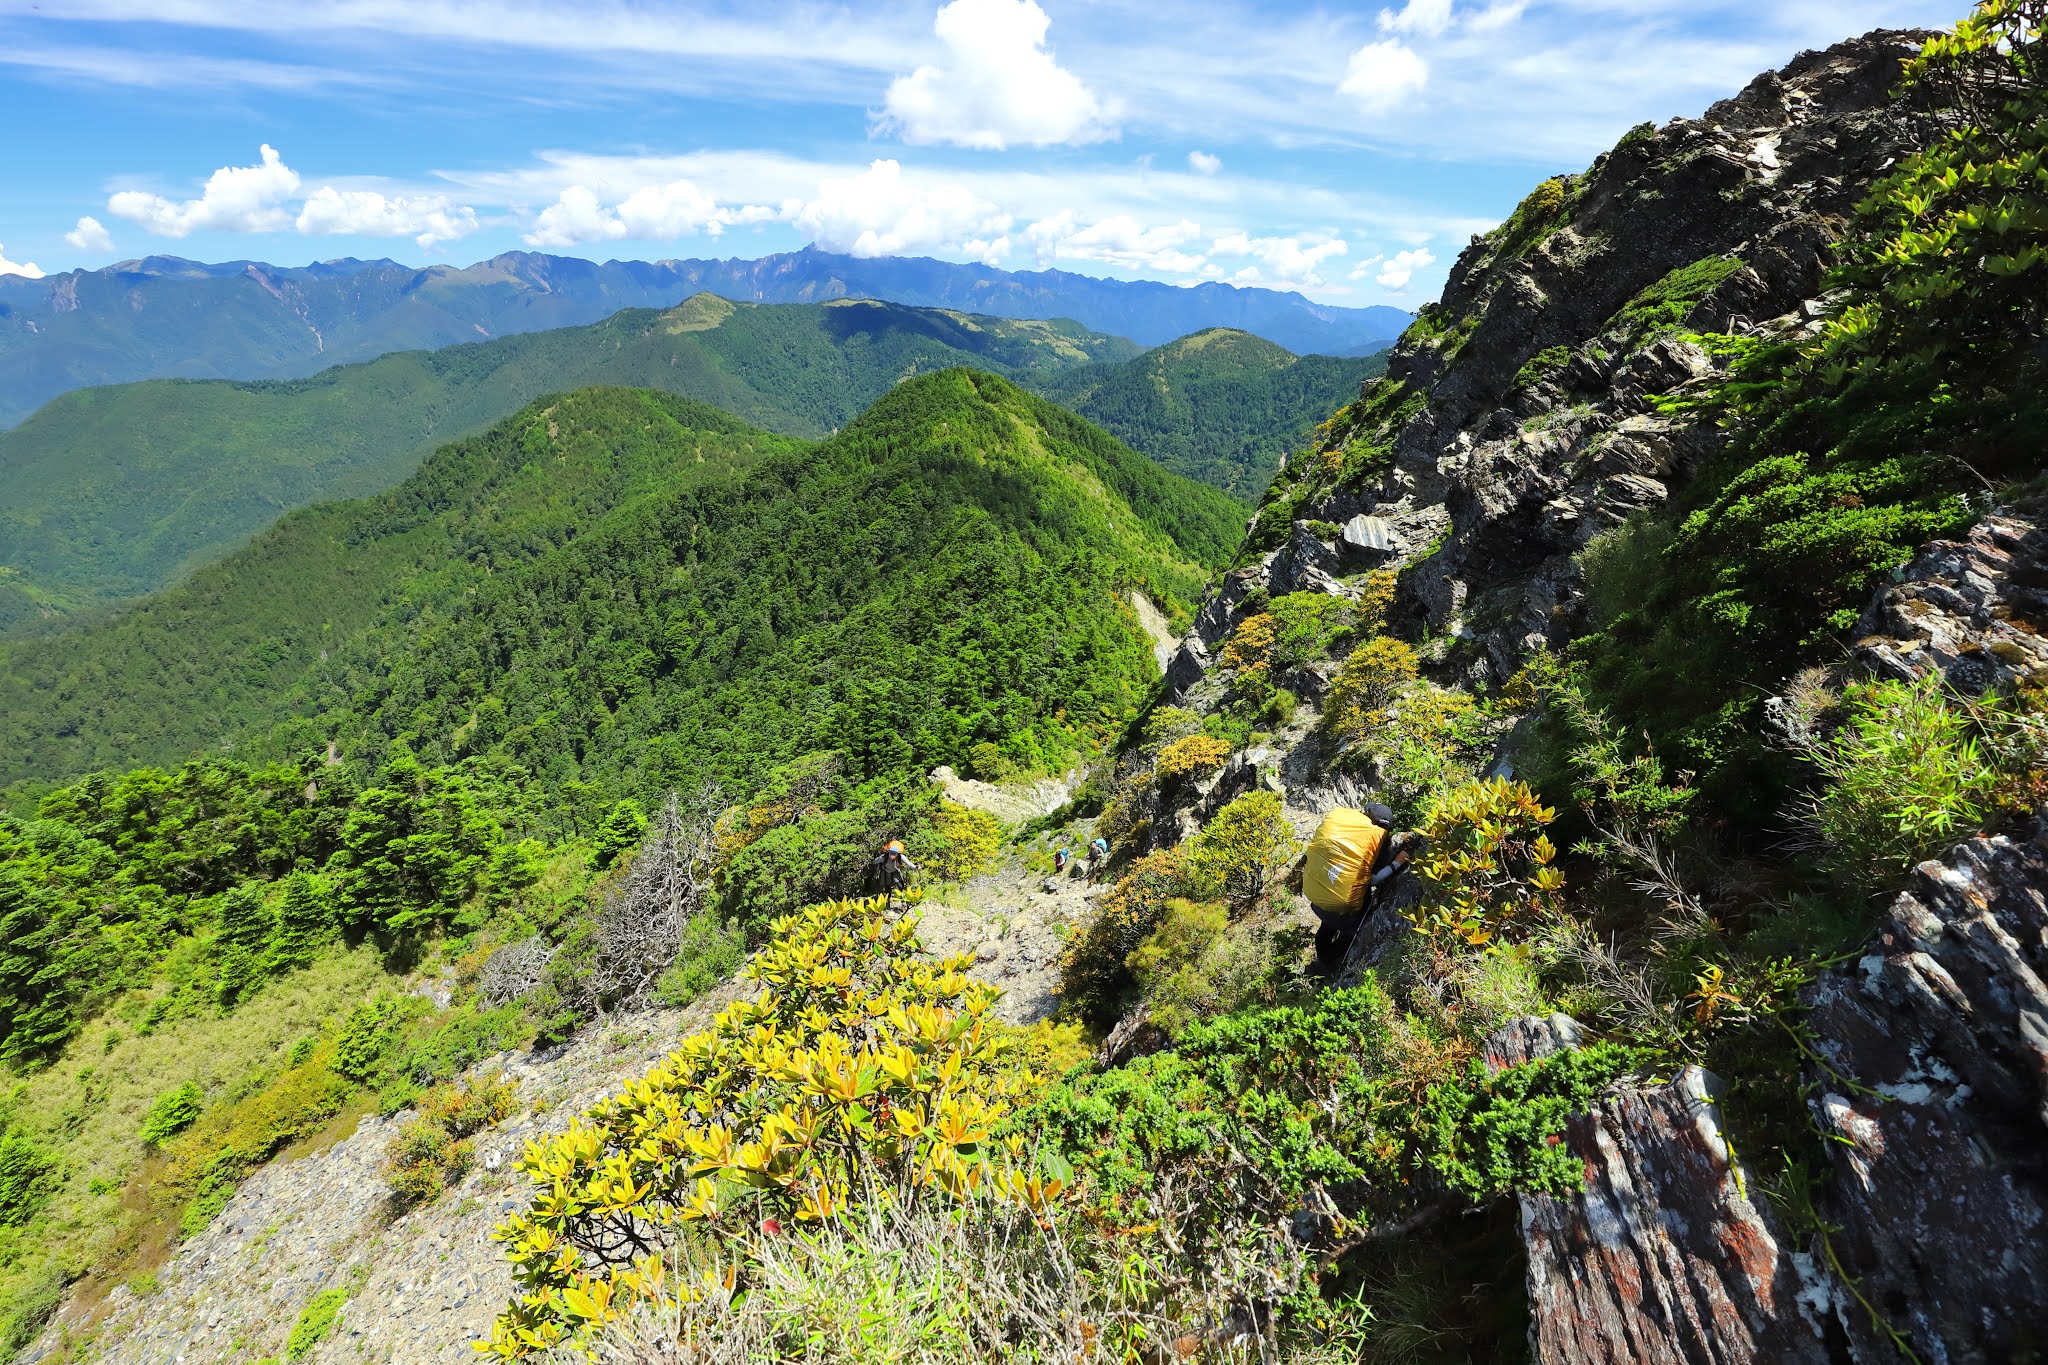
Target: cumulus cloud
998,85
1204,164
1382,75
1289,258
1119,240
26,269
651,213
236,199
1426,17
90,235
881,213
1396,272
427,219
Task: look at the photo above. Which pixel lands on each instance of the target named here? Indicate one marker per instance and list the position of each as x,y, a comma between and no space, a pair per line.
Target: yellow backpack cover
1339,859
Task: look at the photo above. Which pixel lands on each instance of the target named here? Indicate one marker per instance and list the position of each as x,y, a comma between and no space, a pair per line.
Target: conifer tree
246,924
305,919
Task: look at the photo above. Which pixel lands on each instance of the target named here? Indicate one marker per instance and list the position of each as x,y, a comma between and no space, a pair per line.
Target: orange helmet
893,846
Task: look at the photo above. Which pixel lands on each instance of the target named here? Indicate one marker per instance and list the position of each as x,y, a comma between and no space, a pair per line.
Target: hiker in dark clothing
889,871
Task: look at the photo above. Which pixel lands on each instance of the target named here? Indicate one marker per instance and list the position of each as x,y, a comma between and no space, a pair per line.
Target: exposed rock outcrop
1935,1091
1664,1258
1520,418
1975,608
1930,1080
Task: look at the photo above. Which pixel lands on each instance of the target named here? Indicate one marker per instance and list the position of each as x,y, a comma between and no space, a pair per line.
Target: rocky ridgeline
1527,423
1517,421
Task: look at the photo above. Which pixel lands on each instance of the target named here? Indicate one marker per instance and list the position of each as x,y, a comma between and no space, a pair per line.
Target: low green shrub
31,1304
27,1175
432,1150
707,954
1172,951
315,1323
1241,845
1903,777
1094,981
1502,1133
1668,302
1542,365
173,1112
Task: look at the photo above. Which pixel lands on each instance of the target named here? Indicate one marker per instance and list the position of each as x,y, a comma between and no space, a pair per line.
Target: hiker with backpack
1351,867
889,871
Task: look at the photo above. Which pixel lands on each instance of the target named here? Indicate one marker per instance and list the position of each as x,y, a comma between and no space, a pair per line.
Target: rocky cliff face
1519,419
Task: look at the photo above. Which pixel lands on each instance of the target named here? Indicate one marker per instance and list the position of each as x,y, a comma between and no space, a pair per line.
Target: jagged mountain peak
1517,416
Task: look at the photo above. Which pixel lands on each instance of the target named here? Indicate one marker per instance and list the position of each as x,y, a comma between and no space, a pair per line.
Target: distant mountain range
112,492
163,317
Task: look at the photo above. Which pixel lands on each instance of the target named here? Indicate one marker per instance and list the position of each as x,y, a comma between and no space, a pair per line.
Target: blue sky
1346,151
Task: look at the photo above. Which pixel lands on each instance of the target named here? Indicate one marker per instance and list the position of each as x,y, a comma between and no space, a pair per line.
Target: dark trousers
1333,938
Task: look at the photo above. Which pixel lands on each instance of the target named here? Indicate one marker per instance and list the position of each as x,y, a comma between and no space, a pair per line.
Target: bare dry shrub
514,971
641,921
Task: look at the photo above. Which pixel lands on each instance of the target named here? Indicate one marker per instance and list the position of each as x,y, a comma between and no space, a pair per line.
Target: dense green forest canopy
637,590
113,492
1221,406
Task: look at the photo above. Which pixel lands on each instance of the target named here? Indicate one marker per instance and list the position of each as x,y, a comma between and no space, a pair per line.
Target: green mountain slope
113,492
1221,406
638,590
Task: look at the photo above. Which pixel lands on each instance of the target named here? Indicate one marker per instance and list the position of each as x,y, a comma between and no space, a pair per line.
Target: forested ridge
1221,406
115,491
438,715
650,549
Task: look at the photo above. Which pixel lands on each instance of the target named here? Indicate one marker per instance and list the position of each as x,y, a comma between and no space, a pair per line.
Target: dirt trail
1014,921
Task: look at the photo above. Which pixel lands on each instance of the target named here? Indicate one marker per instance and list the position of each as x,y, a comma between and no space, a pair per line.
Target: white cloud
652,213
236,199
24,268
1382,75
1119,240
1291,258
1205,164
1426,17
428,219
1497,16
90,235
999,85
1396,273
677,209
881,213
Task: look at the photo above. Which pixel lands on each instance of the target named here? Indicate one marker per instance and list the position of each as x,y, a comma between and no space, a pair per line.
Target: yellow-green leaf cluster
1488,865
1251,643
1241,844
967,842
1194,757
1367,683
858,1066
